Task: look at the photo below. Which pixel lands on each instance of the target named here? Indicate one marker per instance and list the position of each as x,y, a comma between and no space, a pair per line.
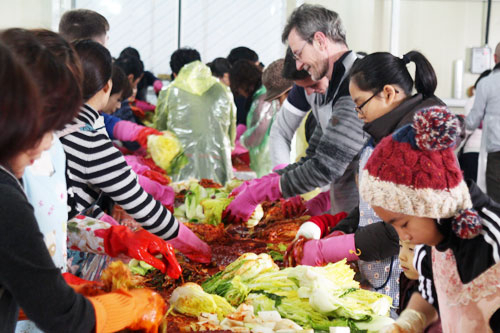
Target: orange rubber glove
136,309
140,245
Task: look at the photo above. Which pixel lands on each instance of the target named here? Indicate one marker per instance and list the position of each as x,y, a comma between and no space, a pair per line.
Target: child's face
114,103
19,162
406,259
225,79
413,229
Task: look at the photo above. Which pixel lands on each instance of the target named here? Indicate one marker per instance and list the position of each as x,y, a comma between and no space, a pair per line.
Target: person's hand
293,206
318,226
280,166
309,230
319,204
136,309
294,252
142,135
149,310
410,321
191,246
162,193
251,182
255,192
140,245
392,328
320,252
156,176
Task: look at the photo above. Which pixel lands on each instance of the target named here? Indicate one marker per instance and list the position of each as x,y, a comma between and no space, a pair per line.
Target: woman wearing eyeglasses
381,87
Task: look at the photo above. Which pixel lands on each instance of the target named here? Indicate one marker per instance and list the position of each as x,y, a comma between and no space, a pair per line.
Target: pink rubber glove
162,193
331,249
319,204
126,130
157,85
280,166
191,246
247,183
135,163
256,191
108,219
145,106
240,129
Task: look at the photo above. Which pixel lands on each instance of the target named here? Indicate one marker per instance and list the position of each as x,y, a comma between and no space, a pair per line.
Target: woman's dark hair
20,107
97,66
181,57
130,65
62,50
245,75
60,90
219,66
242,53
120,83
130,52
374,71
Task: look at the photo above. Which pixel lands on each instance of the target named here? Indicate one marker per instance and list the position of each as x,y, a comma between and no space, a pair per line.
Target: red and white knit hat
415,172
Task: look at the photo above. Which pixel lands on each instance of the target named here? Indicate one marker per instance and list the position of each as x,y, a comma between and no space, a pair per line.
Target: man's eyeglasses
296,55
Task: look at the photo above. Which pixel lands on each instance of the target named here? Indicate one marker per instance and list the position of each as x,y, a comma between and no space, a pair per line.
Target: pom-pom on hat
415,172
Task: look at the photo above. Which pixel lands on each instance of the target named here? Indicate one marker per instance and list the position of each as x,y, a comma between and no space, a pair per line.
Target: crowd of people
396,168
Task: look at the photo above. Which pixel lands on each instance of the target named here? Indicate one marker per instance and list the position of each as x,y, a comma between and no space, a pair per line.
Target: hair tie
467,224
405,59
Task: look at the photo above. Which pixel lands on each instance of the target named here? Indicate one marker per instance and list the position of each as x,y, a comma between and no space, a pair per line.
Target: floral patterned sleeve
81,234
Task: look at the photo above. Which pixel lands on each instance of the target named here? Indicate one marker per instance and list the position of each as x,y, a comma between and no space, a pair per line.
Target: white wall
442,30
26,14
212,27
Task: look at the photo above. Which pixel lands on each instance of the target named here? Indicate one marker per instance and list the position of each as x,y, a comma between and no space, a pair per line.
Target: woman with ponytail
382,89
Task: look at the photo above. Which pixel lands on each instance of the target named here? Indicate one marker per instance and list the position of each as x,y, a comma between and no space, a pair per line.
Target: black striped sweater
94,166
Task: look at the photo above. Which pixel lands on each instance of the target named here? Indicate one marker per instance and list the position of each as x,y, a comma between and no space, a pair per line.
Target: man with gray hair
486,109
317,40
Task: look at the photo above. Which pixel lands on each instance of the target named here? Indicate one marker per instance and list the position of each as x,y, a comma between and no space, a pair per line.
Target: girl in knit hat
381,87
413,182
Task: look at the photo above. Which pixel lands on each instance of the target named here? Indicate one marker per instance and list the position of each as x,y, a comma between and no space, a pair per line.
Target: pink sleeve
126,130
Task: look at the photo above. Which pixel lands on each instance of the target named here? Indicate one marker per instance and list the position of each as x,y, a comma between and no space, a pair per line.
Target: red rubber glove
256,191
142,136
140,245
157,177
293,206
151,164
